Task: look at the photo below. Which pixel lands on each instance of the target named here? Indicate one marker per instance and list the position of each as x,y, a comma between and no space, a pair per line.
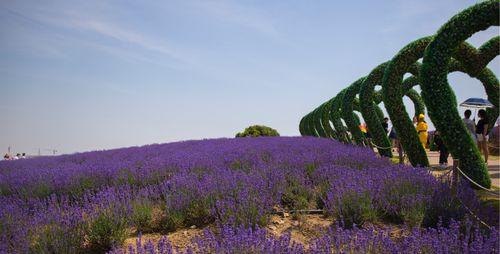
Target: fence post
455,176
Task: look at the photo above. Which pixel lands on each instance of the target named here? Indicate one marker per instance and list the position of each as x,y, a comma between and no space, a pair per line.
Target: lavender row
463,237
226,182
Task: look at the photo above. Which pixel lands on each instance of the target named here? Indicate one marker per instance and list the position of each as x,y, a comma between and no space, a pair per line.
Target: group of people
478,131
18,156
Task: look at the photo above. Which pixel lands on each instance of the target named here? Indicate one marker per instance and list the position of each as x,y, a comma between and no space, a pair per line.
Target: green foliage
53,239
336,118
392,91
301,127
325,119
310,125
297,195
317,122
347,111
443,112
438,96
418,102
354,208
105,232
258,131
142,217
368,110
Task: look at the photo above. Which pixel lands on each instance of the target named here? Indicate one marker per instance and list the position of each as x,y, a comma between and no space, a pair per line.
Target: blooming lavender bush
93,201
458,238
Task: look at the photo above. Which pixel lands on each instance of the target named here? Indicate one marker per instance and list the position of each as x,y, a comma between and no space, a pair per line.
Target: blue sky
90,75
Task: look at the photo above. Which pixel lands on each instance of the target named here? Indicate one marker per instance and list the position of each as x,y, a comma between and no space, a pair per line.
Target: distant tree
257,131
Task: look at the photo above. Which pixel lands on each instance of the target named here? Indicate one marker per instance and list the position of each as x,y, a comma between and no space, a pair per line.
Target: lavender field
91,202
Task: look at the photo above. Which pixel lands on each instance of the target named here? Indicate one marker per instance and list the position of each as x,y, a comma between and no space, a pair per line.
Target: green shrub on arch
347,110
392,91
309,126
367,107
369,100
325,119
336,118
301,127
434,72
316,121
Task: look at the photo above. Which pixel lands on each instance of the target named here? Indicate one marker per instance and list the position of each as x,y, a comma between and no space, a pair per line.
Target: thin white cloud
95,23
239,14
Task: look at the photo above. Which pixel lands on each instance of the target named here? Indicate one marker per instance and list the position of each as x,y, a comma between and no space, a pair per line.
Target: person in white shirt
470,124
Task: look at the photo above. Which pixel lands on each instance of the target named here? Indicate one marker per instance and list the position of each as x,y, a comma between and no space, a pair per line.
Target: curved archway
335,117
434,72
325,119
316,119
312,127
367,106
347,110
392,92
301,127
370,99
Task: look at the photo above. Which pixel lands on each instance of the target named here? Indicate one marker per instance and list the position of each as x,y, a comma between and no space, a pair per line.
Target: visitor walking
422,130
470,124
443,151
6,157
482,133
385,125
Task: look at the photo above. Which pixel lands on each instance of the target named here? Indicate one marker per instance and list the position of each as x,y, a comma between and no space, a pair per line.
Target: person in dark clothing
443,151
482,133
385,125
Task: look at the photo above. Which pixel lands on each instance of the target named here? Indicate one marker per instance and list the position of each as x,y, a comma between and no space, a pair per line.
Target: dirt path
493,166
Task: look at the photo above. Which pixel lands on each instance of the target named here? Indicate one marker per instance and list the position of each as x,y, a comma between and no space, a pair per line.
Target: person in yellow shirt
422,130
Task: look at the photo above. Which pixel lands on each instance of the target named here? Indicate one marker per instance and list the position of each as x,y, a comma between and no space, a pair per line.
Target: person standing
470,124
385,125
482,133
422,130
443,151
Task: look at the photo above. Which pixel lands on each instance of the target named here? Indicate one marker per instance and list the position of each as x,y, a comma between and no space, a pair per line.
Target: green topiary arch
316,118
311,126
325,119
347,111
307,127
392,91
434,72
336,118
301,127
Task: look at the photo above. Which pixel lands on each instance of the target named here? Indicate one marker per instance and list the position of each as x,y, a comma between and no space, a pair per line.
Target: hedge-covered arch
316,118
301,127
325,119
444,112
486,77
369,100
306,126
310,122
367,107
347,110
336,118
392,91
474,61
